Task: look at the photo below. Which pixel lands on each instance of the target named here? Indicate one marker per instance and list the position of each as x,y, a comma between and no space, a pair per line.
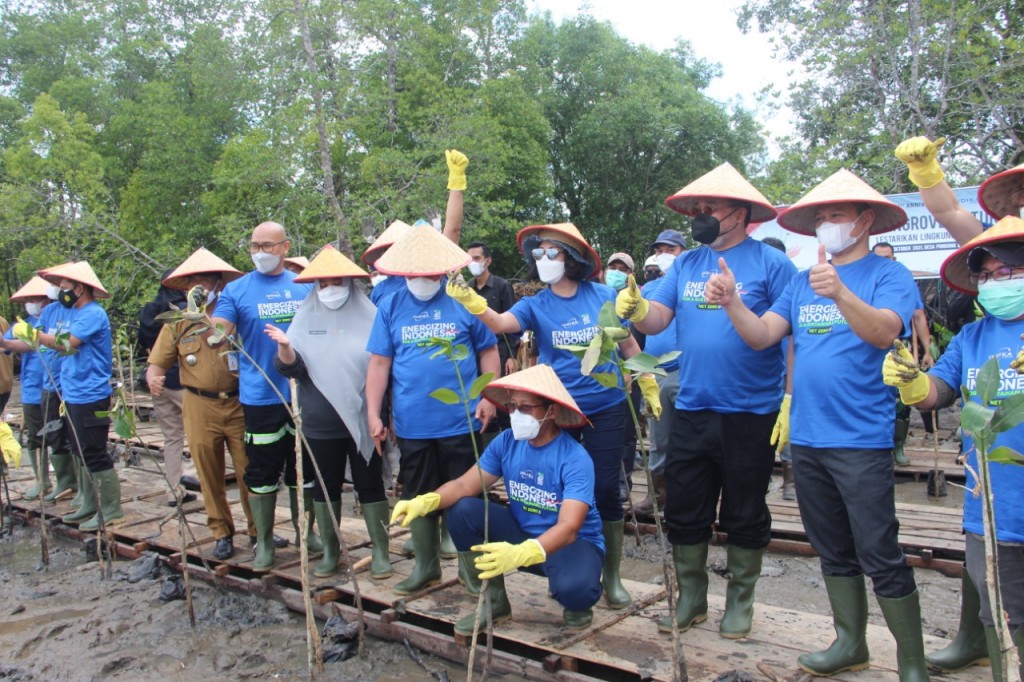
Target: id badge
233,362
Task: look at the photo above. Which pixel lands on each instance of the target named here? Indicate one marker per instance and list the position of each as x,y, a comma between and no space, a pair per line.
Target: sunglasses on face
551,253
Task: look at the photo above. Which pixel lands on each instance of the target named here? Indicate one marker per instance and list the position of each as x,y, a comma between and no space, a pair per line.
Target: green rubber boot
968,647
467,572
615,594
995,653
501,610
448,550
263,507
328,565
849,650
903,616
82,474
744,566
67,477
41,472
692,578
899,437
110,501
376,516
313,543
577,620
426,570
87,509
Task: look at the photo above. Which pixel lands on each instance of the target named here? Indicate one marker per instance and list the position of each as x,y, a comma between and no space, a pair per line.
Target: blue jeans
573,572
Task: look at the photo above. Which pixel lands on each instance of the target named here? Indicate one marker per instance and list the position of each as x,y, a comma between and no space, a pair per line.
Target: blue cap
671,237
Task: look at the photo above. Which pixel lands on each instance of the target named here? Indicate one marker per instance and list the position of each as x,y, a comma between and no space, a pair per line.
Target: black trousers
89,433
427,463
331,455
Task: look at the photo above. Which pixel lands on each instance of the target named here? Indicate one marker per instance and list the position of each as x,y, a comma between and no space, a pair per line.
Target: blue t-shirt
54,319
251,302
538,479
85,376
665,341
967,353
572,321
401,329
31,369
839,400
717,369
385,288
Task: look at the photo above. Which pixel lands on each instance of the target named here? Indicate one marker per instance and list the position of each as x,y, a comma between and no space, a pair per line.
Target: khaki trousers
211,425
167,408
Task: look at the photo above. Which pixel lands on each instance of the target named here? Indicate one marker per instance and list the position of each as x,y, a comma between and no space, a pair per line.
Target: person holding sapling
992,266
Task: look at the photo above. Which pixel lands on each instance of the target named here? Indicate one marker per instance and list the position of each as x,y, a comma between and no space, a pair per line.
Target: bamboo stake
314,648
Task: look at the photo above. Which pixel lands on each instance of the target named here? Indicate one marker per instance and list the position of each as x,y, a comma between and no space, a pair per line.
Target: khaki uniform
213,420
6,369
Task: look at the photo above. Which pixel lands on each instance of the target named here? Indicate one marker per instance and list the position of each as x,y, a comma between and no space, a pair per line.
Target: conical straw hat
328,264
79,272
955,271
300,261
34,288
388,237
422,252
200,262
996,194
842,187
529,237
542,381
724,182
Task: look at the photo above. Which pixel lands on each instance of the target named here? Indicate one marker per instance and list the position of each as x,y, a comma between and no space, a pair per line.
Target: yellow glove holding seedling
463,293
900,370
780,434
919,153
25,332
417,507
457,162
499,558
649,389
10,445
629,304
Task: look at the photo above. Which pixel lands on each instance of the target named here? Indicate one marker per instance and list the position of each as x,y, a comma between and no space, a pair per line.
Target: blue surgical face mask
616,279
1004,299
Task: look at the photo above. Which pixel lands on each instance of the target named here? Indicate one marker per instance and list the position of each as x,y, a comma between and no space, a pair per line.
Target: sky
710,27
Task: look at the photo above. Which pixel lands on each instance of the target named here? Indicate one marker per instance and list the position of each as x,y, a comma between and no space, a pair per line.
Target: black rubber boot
903,616
849,650
968,647
692,578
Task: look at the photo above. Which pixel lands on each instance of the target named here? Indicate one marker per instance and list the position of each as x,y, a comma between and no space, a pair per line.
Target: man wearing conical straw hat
85,388
992,266
212,413
434,438
844,313
551,521
720,442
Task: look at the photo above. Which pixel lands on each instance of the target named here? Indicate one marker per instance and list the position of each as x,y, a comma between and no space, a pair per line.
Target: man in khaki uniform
213,415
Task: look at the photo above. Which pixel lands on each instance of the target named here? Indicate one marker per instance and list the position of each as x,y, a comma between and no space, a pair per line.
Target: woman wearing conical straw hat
551,521
324,351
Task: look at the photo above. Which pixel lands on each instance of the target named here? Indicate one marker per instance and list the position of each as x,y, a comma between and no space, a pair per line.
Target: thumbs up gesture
824,278
721,287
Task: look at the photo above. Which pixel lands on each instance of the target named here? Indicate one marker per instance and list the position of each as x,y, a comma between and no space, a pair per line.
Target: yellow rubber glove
458,290
629,304
499,558
417,507
649,389
900,370
919,154
780,434
26,332
457,162
10,445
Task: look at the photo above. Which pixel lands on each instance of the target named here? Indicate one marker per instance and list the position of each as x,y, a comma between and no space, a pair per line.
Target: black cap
1010,253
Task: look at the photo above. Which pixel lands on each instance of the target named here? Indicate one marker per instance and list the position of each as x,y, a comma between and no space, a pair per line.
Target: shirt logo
820,318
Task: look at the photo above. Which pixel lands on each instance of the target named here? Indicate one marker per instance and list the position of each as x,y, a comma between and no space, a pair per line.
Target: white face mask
333,296
524,426
34,309
550,271
265,262
837,237
423,288
210,296
377,279
476,269
53,292
664,261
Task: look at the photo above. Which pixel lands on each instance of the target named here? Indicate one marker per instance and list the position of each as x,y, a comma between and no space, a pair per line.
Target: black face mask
707,228
68,298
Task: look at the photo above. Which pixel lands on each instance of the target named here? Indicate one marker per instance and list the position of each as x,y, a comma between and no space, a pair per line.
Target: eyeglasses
521,407
265,247
998,275
551,253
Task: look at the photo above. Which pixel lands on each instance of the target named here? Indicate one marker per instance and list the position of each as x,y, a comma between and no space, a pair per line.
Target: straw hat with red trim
301,262
1004,240
839,188
199,263
34,288
80,272
330,264
724,182
422,252
996,195
387,238
530,238
539,380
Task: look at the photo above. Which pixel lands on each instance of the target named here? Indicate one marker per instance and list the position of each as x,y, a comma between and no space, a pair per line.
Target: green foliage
985,422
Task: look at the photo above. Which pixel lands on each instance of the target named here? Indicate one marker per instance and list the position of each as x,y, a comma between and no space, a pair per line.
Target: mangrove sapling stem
186,575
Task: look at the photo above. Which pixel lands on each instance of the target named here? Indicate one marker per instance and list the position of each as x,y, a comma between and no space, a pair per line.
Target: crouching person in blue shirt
551,522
